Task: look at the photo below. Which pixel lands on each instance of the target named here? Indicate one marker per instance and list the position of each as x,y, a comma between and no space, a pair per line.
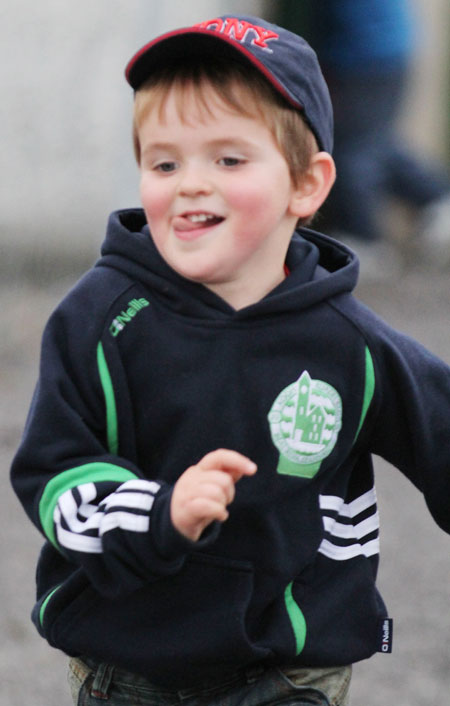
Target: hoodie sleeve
411,424
95,506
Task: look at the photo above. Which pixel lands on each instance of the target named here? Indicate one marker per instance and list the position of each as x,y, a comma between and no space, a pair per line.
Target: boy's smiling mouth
195,220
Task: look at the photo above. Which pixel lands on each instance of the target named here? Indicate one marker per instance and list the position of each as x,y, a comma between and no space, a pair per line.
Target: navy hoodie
143,373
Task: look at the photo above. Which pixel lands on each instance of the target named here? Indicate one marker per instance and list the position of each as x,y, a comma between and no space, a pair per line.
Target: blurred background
66,159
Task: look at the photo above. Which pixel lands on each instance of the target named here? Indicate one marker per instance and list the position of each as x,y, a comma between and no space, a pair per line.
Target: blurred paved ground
415,568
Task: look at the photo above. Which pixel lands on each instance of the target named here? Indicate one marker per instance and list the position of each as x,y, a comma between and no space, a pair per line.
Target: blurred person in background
365,48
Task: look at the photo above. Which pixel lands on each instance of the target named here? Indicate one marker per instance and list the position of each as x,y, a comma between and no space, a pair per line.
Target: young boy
198,450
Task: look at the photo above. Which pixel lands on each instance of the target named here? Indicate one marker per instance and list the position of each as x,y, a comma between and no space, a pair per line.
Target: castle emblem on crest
305,420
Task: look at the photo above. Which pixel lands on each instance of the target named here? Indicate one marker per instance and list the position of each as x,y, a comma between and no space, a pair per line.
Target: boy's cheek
154,202
245,200
153,213
253,208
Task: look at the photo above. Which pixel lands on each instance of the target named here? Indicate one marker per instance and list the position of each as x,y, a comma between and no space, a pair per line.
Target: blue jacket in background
352,35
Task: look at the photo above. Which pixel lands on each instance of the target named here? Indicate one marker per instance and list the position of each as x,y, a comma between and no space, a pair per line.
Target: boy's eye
165,167
230,161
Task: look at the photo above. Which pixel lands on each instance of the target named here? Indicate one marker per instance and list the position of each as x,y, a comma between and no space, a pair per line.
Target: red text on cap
239,30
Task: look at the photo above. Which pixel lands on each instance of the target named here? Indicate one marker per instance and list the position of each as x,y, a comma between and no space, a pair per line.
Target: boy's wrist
169,542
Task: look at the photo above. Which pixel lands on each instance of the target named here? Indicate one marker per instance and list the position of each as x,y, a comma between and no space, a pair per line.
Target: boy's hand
202,493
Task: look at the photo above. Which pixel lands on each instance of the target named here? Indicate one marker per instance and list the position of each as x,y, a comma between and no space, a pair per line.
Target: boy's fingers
203,491
232,462
218,485
208,510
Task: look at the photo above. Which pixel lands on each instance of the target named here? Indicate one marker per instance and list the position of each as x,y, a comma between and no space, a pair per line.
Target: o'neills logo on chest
241,31
126,315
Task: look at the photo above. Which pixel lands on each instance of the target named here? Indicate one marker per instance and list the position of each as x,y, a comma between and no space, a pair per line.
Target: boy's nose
193,182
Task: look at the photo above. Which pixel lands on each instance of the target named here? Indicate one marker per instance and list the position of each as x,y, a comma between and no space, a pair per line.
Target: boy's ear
314,186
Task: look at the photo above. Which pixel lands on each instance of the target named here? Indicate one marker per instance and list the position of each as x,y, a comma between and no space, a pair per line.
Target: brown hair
258,100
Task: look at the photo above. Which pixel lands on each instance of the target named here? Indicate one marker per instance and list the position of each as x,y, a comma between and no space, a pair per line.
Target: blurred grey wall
65,119
66,157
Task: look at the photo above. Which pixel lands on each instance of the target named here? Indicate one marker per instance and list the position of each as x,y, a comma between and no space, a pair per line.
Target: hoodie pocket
57,601
198,615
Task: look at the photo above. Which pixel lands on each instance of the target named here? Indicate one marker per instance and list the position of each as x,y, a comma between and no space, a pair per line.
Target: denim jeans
92,685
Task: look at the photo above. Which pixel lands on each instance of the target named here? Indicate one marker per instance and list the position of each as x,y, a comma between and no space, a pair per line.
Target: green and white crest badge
305,420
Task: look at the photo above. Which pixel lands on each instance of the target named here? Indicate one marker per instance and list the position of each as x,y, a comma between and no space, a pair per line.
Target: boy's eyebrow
158,146
219,142
226,141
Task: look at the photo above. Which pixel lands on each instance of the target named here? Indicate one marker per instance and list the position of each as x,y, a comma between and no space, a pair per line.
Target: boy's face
217,194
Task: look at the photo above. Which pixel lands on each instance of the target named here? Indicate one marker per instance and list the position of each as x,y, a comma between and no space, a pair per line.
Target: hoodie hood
319,268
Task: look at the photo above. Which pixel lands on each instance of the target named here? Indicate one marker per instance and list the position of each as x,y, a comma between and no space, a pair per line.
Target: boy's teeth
200,217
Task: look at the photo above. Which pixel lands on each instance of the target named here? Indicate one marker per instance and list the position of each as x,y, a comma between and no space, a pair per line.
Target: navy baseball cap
284,59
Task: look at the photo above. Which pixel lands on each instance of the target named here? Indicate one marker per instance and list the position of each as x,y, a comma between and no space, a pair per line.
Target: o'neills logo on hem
240,31
385,629
126,315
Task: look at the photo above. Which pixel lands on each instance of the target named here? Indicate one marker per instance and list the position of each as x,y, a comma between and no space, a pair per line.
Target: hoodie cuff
169,542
